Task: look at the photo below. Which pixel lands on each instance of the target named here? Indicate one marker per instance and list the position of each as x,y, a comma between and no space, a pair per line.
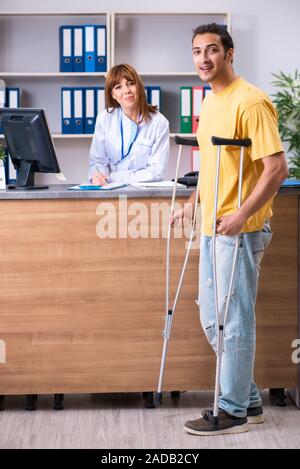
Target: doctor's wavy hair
114,76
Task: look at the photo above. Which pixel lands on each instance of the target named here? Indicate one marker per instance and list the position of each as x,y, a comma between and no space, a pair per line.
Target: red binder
198,95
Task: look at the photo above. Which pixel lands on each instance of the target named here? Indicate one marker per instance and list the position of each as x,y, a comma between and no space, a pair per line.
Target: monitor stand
25,178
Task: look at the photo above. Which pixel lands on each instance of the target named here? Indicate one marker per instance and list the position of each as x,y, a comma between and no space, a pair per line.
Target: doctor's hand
183,216
230,225
99,179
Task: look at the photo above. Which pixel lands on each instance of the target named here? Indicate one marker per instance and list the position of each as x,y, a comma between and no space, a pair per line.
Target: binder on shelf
186,109
13,97
2,97
198,92
100,100
2,103
66,111
90,110
78,49
90,48
10,170
77,96
195,157
207,89
66,48
154,96
101,48
94,103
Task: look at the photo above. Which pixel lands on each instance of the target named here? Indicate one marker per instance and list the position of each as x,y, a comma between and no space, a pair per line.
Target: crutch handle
186,141
243,142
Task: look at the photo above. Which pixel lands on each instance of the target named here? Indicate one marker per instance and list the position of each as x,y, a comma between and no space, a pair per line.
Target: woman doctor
131,139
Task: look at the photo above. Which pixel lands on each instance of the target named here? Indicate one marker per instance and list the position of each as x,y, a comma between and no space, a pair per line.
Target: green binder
186,109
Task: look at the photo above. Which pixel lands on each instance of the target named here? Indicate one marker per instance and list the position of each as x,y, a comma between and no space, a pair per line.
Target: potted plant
287,102
2,169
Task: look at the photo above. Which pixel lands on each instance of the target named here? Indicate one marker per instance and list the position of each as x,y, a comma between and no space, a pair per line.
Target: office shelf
162,59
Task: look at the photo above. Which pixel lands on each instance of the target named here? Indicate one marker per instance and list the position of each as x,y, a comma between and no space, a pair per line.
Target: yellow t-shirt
239,111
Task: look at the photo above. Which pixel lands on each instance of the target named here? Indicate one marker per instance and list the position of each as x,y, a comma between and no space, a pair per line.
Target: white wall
265,33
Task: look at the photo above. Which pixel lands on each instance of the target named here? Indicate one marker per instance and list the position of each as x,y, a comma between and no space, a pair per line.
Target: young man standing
236,110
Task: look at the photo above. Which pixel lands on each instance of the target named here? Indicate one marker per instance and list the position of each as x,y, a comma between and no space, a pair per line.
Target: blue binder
66,48
101,49
12,97
78,109
90,110
155,96
66,111
2,103
207,89
90,48
94,100
100,100
78,49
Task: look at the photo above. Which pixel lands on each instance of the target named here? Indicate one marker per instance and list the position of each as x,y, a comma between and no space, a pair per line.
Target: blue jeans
238,390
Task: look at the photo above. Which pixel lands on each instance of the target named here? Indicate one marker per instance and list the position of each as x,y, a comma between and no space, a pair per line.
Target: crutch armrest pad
192,142
243,142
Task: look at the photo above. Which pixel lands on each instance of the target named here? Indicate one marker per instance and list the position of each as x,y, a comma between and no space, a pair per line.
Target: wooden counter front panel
84,314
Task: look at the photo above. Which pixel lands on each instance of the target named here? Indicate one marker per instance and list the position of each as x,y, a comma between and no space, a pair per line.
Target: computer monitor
29,144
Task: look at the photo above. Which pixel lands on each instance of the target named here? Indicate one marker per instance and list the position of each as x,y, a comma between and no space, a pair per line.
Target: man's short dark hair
218,29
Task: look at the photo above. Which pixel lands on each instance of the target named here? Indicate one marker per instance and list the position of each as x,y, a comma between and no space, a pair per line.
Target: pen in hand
99,179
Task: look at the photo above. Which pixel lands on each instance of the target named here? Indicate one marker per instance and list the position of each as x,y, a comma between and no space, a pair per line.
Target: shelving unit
158,46
38,32
130,39
89,136
51,74
25,36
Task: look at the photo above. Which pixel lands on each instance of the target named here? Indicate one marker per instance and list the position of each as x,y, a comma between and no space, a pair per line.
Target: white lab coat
148,156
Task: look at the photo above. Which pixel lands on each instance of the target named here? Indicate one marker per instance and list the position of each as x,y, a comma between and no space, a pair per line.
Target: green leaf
287,102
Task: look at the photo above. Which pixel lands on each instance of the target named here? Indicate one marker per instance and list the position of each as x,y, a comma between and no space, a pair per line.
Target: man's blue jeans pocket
260,240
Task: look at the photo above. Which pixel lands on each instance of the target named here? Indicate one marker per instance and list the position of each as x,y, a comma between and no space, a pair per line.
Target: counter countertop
60,191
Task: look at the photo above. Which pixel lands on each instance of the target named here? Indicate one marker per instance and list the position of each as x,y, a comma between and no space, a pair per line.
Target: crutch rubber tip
158,399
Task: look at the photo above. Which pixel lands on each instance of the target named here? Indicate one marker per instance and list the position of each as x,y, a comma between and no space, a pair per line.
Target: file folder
2,103
66,111
197,100
100,100
78,106
66,48
101,62
78,41
91,187
12,97
207,89
195,159
89,52
2,97
186,109
155,96
10,170
90,110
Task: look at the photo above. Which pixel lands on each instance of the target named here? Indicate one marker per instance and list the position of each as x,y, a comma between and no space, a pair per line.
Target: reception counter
82,295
